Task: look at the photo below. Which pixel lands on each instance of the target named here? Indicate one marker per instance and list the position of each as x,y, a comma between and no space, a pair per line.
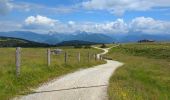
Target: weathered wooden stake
95,57
101,57
88,57
79,57
18,60
65,57
48,57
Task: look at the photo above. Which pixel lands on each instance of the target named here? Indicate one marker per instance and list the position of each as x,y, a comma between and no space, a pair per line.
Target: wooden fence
18,58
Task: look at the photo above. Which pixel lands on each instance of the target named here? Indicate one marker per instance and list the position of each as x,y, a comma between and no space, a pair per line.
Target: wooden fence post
18,60
101,57
65,57
88,57
95,57
48,57
79,57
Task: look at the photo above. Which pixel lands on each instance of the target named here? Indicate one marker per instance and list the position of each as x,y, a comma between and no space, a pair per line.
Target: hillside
16,42
75,42
145,74
31,36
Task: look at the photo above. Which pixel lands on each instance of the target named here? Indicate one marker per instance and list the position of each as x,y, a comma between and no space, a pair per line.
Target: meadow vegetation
34,69
104,45
145,74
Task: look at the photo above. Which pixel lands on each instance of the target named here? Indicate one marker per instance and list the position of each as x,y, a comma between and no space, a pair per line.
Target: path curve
92,84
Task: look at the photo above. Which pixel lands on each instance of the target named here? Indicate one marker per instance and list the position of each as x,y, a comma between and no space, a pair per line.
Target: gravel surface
86,84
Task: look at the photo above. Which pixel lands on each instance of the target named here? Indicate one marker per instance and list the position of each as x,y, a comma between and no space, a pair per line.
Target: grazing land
34,69
145,74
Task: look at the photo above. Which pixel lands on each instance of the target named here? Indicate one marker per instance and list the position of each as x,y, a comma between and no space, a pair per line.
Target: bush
103,46
87,46
78,46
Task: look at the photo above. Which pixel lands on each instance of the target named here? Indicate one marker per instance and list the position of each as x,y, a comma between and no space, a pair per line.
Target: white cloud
5,6
149,25
71,23
39,22
118,26
118,7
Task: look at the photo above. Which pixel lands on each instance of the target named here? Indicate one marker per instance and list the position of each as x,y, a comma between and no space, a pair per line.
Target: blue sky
97,16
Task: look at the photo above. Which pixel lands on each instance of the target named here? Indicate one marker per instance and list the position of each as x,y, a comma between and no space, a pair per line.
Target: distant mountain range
137,36
56,38
17,42
59,38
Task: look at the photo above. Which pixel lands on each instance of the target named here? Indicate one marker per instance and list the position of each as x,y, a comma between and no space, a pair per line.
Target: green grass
34,69
145,74
150,50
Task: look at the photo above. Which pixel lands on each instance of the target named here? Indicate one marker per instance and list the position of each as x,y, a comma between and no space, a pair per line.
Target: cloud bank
149,25
118,7
44,24
138,24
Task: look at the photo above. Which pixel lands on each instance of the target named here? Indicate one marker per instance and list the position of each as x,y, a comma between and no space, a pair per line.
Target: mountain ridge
58,37
55,38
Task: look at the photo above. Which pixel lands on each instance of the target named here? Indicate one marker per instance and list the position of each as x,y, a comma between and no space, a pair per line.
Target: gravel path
86,84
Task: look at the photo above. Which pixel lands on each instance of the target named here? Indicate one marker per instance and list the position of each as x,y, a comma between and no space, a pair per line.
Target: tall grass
145,74
34,69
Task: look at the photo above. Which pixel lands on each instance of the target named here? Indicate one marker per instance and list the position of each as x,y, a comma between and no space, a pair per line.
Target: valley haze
57,38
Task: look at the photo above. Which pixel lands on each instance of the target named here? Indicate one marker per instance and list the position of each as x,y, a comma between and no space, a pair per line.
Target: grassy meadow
34,69
145,74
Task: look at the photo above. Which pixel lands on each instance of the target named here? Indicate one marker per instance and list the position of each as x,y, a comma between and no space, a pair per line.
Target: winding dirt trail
86,84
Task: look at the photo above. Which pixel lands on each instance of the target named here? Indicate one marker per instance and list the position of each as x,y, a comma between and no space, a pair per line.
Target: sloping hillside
15,42
75,42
